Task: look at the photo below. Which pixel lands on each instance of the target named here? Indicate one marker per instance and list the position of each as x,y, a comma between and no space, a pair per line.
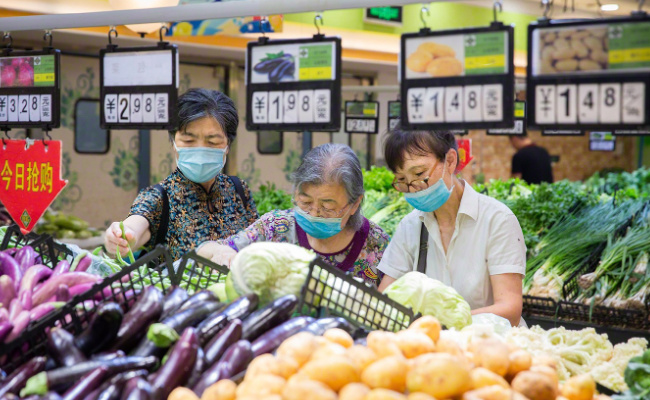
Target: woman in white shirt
462,238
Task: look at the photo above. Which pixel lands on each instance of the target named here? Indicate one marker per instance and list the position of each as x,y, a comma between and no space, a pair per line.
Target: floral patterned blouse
369,243
195,216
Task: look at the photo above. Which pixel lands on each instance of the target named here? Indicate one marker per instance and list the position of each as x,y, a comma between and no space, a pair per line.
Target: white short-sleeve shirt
487,240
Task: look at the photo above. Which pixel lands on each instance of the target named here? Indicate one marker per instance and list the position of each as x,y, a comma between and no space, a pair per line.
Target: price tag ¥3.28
30,179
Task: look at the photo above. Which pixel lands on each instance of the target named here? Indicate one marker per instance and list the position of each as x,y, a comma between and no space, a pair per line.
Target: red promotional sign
30,179
464,153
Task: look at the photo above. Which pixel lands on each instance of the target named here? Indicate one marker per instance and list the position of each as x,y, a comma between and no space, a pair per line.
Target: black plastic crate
328,290
49,251
605,316
539,306
196,272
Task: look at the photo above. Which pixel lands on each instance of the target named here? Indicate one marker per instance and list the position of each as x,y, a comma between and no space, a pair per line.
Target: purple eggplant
11,251
173,301
138,389
234,361
108,356
7,290
198,298
84,264
15,308
25,257
61,268
79,289
9,267
62,293
238,309
112,389
271,340
319,326
17,379
146,310
268,317
87,384
50,396
211,326
159,335
61,346
5,330
197,371
71,279
102,329
178,368
39,312
33,275
4,314
20,323
62,378
281,70
267,66
222,341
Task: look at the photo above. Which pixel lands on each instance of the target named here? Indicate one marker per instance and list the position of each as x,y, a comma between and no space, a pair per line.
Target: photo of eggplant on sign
277,66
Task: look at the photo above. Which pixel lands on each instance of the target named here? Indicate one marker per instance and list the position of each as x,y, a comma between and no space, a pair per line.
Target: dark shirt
533,163
195,216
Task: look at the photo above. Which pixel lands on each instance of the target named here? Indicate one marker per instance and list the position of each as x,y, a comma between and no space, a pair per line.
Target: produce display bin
541,306
329,291
44,245
124,288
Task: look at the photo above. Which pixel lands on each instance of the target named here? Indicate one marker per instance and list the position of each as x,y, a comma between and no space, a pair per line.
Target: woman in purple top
328,191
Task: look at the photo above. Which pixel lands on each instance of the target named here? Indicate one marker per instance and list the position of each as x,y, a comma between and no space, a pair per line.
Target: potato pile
435,59
414,364
574,50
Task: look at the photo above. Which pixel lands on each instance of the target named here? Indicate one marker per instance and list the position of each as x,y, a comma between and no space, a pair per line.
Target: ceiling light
609,7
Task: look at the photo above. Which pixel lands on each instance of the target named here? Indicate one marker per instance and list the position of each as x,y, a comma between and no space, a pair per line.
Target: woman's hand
137,233
217,253
114,239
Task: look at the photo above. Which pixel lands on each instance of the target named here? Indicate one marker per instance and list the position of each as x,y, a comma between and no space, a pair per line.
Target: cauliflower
623,352
608,375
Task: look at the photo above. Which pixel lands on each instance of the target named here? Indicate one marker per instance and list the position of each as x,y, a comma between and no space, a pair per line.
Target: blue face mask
431,198
200,164
317,227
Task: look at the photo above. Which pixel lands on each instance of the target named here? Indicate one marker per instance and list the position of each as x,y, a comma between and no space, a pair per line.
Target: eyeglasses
321,211
418,184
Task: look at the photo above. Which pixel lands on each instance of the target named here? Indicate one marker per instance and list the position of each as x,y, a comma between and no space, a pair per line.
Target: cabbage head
270,270
431,297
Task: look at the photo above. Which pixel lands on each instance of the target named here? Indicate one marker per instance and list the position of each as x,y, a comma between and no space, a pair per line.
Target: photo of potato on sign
572,50
435,59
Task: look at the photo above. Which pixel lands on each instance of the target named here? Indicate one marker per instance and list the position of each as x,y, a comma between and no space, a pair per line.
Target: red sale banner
30,179
464,153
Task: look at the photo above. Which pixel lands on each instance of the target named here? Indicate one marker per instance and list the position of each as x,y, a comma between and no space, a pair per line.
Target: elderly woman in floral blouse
196,202
328,191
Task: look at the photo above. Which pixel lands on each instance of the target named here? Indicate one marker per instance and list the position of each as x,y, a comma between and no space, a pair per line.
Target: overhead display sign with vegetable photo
30,93
361,117
458,78
294,85
139,87
589,74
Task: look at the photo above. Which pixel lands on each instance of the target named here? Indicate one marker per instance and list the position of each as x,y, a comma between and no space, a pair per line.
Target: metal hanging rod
189,12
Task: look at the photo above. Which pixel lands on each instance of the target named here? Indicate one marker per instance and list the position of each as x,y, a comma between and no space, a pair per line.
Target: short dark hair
401,142
199,103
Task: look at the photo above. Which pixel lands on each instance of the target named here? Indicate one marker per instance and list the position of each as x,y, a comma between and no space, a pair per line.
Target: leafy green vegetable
270,270
431,297
378,178
270,198
637,377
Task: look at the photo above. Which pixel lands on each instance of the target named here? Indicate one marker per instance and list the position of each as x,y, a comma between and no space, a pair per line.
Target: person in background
328,192
531,163
462,238
196,202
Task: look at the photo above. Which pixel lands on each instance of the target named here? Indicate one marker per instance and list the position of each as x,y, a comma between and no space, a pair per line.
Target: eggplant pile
161,343
277,66
30,290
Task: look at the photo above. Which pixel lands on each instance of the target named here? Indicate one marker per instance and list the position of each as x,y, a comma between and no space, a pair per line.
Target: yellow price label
315,73
629,55
44,77
485,62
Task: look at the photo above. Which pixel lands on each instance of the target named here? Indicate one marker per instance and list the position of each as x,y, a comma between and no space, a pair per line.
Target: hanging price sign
394,114
294,85
602,141
464,153
589,74
30,91
361,117
139,87
30,179
458,79
520,122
